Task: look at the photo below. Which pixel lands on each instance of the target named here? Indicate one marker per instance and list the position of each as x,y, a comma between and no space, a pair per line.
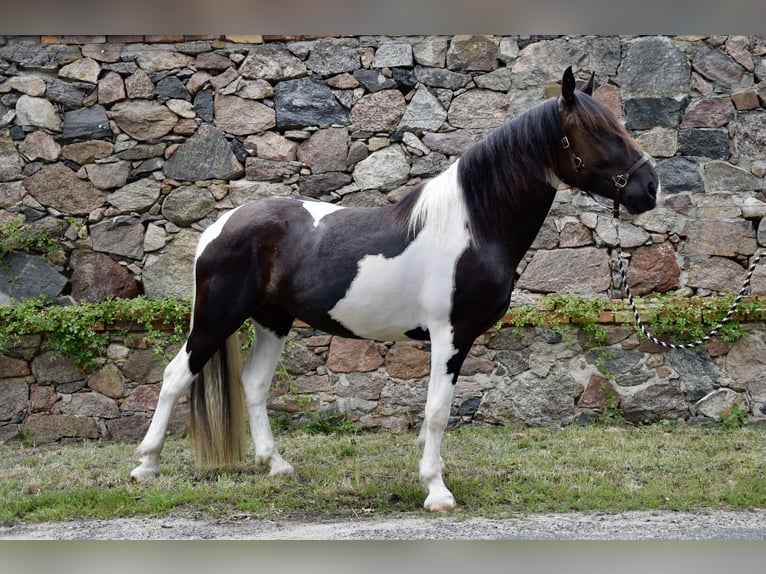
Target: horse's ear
568,85
588,87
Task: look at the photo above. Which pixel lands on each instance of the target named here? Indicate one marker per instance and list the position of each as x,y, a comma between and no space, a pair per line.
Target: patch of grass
493,471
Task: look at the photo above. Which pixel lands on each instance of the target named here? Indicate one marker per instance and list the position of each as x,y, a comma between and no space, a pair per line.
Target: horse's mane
510,168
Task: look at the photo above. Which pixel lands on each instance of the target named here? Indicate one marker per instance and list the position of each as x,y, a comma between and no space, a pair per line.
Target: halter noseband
620,180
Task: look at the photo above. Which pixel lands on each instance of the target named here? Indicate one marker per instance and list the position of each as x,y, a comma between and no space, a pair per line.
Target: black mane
502,173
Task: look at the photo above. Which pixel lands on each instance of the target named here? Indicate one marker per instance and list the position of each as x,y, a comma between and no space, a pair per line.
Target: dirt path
648,525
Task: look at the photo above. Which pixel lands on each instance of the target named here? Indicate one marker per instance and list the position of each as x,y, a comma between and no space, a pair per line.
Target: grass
493,471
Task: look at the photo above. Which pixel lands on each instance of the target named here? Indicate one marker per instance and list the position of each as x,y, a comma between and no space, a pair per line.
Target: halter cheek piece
620,180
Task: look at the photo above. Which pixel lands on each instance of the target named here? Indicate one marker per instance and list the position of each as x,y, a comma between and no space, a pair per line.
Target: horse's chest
390,296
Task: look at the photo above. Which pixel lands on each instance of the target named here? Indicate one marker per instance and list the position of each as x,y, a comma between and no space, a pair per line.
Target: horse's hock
123,150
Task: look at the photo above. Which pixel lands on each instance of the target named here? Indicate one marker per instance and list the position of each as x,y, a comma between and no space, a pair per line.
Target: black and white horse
438,265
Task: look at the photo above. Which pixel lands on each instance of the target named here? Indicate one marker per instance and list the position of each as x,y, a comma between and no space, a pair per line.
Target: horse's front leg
440,388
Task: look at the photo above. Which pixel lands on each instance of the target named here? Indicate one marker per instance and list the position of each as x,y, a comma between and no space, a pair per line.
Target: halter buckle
565,142
620,180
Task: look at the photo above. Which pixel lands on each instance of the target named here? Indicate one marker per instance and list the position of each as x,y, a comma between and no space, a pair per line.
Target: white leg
256,381
177,379
438,403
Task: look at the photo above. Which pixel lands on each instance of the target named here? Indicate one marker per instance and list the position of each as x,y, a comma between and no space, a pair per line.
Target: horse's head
597,153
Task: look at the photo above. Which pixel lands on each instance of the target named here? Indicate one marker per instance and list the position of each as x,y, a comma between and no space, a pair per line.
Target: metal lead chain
711,334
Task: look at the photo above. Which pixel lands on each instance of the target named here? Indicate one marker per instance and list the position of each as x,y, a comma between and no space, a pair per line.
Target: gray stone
329,57
384,169
659,142
108,175
552,271
23,276
57,186
169,273
630,235
499,80
139,85
722,176
157,60
713,144
441,78
90,405
648,113
655,403
393,54
726,238
111,89
273,146
240,116
654,66
67,95
272,62
493,106
261,169
713,112
720,402
429,166
679,174
449,143
188,204
432,51
424,112
717,66
472,53
746,361
44,428
83,70
89,151
243,191
171,88
34,112
374,80
326,150
206,155
49,368
14,397
530,399
121,235
379,112
307,102
320,184
86,124
143,120
11,193
136,197
750,138
716,273
96,276
30,85
204,105
10,162
39,145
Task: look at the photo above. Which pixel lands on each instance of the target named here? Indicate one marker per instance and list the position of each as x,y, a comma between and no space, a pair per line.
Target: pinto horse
438,265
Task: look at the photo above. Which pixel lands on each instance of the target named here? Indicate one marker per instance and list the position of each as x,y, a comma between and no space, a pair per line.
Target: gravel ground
641,525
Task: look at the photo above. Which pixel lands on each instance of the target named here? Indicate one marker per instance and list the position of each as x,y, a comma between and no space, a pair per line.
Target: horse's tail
218,426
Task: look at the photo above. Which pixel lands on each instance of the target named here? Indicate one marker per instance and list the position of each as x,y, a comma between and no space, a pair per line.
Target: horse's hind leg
176,381
256,381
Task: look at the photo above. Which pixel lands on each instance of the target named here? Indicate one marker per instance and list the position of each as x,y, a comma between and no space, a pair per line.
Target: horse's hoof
281,468
441,503
142,476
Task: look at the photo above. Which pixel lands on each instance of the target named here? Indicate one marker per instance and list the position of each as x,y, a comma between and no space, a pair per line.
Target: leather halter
620,180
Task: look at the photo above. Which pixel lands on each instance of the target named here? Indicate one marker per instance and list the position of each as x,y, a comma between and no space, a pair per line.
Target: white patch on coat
318,209
390,296
440,204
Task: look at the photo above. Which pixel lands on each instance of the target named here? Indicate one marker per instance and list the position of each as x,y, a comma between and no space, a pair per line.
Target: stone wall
125,148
